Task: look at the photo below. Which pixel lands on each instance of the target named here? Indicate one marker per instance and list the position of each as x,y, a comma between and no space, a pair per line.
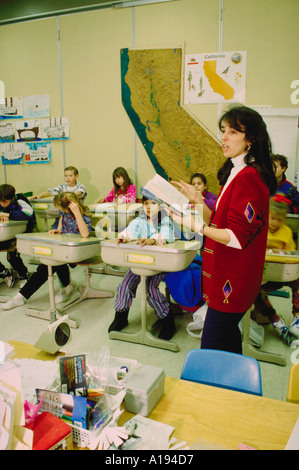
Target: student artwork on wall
27,131
36,106
38,152
215,77
7,131
55,128
26,120
12,154
11,108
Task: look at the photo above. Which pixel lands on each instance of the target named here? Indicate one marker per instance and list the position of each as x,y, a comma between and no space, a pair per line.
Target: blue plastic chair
223,369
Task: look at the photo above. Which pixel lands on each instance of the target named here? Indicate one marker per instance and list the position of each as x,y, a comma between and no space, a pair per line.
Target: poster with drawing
36,106
12,154
11,108
55,128
27,131
215,77
38,152
7,131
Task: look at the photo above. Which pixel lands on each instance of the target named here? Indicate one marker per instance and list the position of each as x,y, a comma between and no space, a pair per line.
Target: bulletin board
175,142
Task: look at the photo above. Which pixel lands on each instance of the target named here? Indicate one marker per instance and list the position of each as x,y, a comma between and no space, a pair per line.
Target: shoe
65,293
294,326
9,278
283,331
22,280
16,301
120,321
167,327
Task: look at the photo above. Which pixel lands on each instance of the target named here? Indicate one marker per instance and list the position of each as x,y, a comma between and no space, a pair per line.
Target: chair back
293,385
223,369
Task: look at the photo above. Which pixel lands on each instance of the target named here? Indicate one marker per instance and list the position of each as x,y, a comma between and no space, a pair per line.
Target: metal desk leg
249,350
143,336
53,313
87,293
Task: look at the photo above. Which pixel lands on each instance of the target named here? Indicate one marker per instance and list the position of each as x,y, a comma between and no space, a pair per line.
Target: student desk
45,209
278,268
292,221
147,261
10,229
201,412
109,218
113,217
53,250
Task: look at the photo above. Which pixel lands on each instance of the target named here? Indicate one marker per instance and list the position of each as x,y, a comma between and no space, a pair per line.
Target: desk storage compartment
144,389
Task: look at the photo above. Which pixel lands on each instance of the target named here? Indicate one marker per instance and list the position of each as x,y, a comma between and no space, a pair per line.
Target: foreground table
225,417
203,413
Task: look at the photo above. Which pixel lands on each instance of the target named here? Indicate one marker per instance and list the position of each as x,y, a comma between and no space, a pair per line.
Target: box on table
50,433
144,389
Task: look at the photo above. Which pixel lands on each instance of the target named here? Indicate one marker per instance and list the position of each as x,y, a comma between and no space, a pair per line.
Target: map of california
217,83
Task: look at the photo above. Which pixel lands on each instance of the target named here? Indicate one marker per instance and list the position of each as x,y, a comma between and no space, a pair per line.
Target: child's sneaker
22,280
294,326
65,293
9,278
283,331
16,301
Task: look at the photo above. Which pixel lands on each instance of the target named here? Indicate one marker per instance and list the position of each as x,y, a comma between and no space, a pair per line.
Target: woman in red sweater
236,230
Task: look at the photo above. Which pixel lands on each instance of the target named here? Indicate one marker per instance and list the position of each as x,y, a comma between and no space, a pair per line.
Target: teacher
236,229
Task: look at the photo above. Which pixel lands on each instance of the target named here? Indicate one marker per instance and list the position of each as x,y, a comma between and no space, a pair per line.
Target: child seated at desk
14,207
70,185
74,218
153,227
123,190
199,181
279,237
283,185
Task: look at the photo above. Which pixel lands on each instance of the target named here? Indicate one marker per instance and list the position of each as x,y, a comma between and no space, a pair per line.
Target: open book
159,190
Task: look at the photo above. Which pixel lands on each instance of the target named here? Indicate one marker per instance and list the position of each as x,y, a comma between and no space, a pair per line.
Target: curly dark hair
249,121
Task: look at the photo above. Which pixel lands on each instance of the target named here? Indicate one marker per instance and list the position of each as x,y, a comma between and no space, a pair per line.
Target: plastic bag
195,327
256,334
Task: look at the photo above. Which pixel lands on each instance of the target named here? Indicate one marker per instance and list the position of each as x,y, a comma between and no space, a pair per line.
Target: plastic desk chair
293,385
224,370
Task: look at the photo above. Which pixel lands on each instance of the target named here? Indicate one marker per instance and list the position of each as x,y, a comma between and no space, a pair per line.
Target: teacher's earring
248,148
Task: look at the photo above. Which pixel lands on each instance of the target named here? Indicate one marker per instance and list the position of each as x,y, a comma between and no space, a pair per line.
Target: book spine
151,196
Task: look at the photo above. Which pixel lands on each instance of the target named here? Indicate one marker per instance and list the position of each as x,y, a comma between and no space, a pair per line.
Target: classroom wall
101,135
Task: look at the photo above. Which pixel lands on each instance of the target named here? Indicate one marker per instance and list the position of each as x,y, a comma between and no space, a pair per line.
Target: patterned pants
126,292
13,257
263,304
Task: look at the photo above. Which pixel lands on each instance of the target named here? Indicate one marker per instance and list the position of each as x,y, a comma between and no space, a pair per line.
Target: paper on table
154,435
11,378
7,400
293,442
6,351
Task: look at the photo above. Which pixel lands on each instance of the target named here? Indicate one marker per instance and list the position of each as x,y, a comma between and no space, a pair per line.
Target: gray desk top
178,246
68,239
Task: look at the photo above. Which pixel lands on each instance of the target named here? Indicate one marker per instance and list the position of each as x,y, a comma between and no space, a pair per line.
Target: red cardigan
232,277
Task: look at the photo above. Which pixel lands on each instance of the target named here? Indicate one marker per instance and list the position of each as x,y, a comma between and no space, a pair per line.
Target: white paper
293,442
